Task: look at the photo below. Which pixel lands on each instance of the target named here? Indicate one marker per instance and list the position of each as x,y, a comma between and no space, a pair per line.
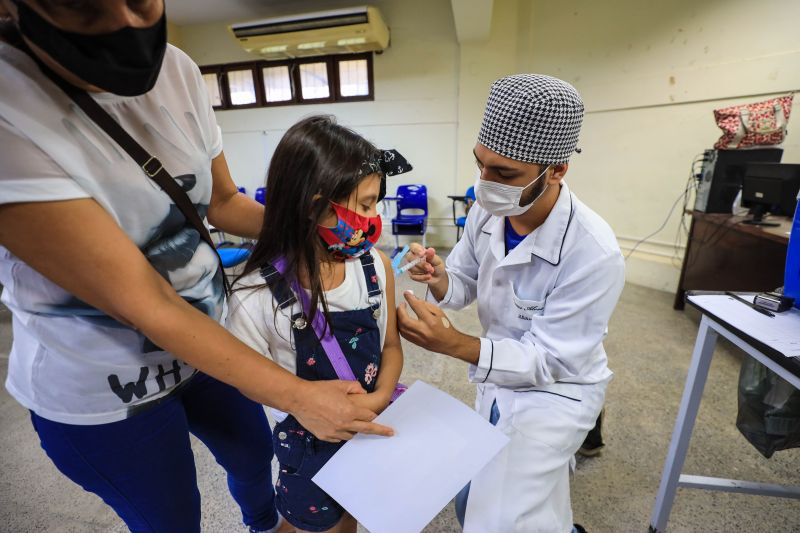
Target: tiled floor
649,347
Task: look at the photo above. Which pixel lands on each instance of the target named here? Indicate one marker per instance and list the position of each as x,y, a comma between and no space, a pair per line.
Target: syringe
409,265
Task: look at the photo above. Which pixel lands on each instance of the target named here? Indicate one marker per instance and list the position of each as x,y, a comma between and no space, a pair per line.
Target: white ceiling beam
473,19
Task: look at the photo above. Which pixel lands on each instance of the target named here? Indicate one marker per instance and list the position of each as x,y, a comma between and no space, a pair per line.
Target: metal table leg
684,424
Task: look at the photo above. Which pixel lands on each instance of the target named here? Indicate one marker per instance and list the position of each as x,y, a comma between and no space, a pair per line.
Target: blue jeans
143,466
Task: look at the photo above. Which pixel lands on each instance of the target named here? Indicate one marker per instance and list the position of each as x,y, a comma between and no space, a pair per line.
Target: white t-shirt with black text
70,362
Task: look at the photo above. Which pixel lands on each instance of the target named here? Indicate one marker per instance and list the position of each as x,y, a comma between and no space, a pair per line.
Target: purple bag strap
325,334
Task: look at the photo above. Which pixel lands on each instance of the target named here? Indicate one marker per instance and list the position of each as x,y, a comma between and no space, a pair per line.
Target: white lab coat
544,309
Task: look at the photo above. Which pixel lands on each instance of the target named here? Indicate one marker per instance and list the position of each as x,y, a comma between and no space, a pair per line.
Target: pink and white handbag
753,125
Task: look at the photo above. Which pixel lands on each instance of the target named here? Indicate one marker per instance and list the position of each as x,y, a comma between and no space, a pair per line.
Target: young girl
315,260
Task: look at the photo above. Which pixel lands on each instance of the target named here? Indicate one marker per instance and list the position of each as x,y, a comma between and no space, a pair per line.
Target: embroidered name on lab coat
527,308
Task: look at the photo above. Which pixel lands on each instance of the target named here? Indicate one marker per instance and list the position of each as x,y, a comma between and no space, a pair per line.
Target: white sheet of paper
781,332
399,484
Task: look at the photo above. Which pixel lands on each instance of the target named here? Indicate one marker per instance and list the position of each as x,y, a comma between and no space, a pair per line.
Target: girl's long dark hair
315,162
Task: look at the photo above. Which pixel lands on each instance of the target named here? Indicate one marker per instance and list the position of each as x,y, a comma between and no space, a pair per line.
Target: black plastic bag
769,409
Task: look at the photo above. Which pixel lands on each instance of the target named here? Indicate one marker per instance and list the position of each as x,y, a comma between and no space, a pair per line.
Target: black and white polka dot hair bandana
386,163
532,118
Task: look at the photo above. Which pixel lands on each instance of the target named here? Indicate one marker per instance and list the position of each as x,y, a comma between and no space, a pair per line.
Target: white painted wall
650,73
481,63
174,34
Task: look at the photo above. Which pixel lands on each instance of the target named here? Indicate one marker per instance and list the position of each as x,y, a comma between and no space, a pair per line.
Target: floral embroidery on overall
370,373
353,342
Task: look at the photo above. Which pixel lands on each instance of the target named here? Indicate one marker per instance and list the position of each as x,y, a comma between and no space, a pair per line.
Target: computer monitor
770,187
721,176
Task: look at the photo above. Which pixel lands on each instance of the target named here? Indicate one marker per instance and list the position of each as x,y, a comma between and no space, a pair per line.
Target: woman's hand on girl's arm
319,414
77,245
229,210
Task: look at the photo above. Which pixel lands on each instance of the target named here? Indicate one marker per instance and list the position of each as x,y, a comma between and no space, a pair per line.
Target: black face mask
124,62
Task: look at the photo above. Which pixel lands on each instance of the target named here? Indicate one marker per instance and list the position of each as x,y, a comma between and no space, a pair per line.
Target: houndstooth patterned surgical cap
532,118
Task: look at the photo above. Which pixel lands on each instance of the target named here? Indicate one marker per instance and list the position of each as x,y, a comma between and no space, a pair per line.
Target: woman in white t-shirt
118,352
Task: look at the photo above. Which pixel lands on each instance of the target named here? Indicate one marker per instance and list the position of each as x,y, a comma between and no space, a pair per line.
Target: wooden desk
723,254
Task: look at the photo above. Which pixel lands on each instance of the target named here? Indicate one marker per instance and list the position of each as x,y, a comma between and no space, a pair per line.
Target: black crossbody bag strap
149,164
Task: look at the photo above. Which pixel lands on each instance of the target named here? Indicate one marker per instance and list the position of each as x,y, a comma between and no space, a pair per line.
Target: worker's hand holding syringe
431,329
427,268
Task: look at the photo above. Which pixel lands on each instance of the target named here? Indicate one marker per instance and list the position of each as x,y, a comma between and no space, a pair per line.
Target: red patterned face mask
353,234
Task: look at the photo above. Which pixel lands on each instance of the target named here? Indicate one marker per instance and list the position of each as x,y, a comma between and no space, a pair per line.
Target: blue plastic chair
260,192
408,198
242,190
233,256
230,253
468,199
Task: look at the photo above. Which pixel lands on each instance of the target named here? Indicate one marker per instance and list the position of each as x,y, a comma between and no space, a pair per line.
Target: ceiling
472,17
182,12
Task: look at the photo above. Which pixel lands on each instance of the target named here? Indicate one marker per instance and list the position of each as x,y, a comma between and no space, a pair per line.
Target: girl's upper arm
78,246
392,335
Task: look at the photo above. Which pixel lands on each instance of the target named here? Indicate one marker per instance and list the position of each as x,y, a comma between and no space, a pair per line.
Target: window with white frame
242,87
339,78
277,84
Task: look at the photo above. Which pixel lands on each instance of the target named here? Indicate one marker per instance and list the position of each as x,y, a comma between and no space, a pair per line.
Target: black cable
669,215
716,235
684,195
709,238
683,226
691,184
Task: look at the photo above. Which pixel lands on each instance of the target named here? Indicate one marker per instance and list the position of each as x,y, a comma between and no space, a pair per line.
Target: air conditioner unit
339,31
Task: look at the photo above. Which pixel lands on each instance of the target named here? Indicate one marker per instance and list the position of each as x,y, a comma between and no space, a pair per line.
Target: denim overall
299,453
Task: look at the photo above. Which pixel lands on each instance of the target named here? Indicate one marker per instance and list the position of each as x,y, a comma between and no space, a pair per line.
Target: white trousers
525,488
